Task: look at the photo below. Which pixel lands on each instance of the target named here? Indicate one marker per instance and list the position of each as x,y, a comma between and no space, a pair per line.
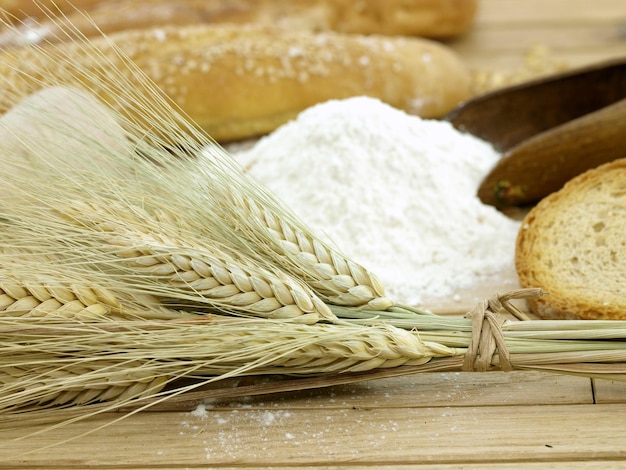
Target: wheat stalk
214,347
152,269
136,214
263,228
186,271
67,361
134,249
162,254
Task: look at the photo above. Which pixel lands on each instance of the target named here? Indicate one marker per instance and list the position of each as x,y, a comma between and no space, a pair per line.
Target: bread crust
426,18
20,9
239,82
573,245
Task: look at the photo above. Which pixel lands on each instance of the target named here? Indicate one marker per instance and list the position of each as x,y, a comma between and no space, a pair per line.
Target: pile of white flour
394,192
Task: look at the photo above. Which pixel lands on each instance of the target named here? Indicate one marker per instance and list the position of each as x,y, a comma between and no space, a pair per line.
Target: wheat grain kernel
289,247
358,273
221,292
202,268
380,303
327,271
221,274
70,309
14,290
124,252
204,284
340,263
62,294
321,252
362,291
146,261
343,281
262,287
240,278
39,292
97,310
182,262
286,312
243,299
266,305
105,296
111,392
84,294
321,307
377,286
25,304
307,318
281,292
46,307
5,301
307,259
304,242
303,301
163,269
187,277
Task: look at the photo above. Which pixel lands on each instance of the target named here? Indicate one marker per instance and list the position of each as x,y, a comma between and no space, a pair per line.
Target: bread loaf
573,244
20,9
427,18
239,82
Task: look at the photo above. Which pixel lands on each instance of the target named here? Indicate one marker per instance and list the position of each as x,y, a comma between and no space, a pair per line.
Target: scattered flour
394,192
200,411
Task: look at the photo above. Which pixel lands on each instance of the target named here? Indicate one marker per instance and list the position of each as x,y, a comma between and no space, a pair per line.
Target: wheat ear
78,383
67,361
53,299
209,277
335,278
190,273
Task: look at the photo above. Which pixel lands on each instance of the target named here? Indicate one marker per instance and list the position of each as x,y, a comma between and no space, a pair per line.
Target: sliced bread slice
573,245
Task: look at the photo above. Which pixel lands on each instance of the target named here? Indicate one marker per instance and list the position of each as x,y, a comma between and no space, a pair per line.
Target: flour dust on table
394,192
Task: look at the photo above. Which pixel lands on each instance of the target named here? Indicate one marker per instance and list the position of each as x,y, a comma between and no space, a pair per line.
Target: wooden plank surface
429,421
356,435
577,32
608,391
436,417
528,38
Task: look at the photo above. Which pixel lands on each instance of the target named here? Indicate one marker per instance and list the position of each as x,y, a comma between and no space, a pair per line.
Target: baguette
573,244
426,18
38,9
241,82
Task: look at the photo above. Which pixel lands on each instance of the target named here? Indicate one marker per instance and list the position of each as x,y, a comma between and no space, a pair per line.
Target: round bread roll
240,82
426,18
573,245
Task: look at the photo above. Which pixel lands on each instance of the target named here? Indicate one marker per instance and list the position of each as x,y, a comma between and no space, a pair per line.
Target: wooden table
426,421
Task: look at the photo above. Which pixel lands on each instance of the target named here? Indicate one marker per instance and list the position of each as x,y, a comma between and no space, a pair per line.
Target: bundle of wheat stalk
129,263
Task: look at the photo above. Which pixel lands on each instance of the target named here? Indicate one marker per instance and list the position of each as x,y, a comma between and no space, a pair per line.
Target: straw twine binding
487,336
